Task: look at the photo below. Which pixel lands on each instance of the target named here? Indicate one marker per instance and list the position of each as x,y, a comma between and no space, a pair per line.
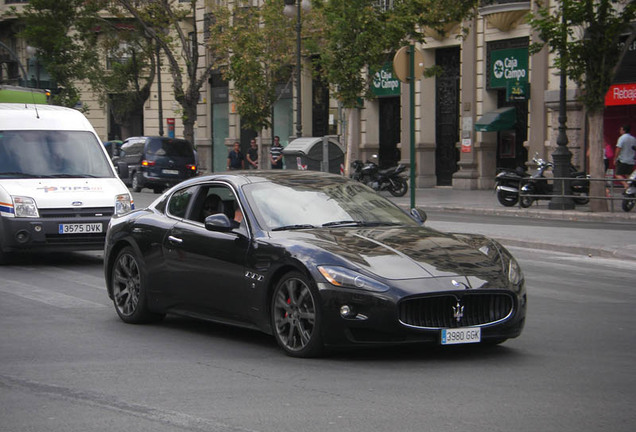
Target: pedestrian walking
624,156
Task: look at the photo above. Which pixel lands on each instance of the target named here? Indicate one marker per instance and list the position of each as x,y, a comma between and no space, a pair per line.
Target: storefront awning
497,120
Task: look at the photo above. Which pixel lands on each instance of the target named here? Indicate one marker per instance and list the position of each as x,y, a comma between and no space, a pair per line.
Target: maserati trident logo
458,311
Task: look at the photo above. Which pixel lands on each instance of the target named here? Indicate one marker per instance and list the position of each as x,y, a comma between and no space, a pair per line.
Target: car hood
71,192
403,252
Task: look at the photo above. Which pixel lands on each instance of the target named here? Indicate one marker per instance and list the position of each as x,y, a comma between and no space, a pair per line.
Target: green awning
497,120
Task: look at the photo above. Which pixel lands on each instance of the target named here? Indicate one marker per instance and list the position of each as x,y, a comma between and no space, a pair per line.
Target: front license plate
461,335
173,172
88,228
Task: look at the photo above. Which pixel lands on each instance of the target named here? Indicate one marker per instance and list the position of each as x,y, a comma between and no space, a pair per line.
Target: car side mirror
419,215
218,222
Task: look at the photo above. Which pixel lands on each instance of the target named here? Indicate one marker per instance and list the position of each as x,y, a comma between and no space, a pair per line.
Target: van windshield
38,154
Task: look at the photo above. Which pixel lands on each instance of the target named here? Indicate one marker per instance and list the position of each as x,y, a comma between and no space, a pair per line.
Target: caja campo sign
508,65
385,82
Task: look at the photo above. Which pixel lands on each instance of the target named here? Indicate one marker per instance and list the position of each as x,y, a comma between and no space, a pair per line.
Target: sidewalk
617,239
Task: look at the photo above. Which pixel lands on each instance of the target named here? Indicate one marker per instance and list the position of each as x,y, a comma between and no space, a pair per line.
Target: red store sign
621,94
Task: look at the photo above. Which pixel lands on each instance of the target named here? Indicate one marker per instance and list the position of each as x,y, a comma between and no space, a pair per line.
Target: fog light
345,311
22,236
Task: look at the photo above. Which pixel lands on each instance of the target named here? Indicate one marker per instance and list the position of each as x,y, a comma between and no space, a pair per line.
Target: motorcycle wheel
581,199
507,199
628,203
525,201
398,187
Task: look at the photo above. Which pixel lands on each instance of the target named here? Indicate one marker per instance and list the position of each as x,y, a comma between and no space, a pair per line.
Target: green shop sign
384,82
508,65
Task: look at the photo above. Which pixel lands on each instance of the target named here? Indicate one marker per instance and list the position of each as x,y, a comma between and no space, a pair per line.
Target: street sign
401,64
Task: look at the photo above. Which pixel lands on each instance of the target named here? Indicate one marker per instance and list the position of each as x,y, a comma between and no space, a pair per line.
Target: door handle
173,239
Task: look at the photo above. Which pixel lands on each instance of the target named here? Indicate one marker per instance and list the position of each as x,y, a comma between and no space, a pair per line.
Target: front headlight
346,278
515,275
25,207
123,204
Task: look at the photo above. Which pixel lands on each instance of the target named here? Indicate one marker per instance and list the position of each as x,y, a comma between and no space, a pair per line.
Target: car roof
20,116
282,177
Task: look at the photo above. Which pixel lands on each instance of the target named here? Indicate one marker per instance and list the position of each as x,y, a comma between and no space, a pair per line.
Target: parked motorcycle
538,188
380,179
630,193
507,185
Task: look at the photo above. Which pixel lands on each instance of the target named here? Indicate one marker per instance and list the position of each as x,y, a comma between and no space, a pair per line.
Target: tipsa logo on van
48,189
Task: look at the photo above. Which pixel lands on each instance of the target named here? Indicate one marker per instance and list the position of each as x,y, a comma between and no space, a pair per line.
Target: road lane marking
46,296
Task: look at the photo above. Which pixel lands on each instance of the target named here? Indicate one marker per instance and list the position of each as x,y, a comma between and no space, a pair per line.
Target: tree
586,37
256,48
48,25
172,25
73,40
359,35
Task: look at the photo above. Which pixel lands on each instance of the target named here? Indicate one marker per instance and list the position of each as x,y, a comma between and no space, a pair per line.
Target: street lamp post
561,156
293,7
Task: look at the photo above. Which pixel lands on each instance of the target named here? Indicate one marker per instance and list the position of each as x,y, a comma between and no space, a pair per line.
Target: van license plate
169,171
461,335
88,228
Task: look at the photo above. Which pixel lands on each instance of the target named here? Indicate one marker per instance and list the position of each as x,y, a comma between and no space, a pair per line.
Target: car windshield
40,154
337,204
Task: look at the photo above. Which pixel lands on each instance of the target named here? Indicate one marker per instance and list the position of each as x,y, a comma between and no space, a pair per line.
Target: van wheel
137,182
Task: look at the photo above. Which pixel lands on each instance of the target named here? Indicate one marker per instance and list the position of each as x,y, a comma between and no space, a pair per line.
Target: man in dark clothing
235,159
252,155
276,154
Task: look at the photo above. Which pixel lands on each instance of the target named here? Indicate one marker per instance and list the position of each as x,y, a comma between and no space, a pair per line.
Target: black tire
525,201
581,198
507,199
399,187
137,184
296,316
129,289
628,203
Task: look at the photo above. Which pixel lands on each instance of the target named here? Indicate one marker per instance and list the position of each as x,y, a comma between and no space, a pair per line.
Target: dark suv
155,162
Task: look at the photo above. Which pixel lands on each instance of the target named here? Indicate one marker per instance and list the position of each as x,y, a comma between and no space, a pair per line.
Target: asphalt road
67,364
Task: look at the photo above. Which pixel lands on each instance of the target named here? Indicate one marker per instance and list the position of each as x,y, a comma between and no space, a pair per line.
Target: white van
58,187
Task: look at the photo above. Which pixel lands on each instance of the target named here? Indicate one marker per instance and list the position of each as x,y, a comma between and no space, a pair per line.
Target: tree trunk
597,167
351,137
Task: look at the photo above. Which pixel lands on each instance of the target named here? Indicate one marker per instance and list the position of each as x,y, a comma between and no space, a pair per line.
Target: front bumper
375,320
43,234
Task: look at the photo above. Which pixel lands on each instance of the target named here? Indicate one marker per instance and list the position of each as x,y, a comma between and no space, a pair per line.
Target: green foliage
73,41
358,35
587,42
257,47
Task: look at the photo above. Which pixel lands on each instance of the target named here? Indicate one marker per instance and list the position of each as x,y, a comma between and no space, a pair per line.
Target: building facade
494,106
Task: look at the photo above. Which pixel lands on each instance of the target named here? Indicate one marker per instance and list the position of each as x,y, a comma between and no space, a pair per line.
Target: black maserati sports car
315,259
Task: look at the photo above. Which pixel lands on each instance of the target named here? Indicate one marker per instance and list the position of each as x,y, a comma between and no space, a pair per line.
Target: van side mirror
122,170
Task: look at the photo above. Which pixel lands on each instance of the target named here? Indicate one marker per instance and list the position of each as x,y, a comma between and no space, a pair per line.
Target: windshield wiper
293,227
357,223
72,176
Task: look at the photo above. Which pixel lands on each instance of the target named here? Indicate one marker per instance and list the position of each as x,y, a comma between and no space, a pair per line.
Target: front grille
76,212
445,311
76,239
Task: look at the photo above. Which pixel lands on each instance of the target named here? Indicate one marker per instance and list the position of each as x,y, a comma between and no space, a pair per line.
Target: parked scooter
386,179
630,193
507,185
538,188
